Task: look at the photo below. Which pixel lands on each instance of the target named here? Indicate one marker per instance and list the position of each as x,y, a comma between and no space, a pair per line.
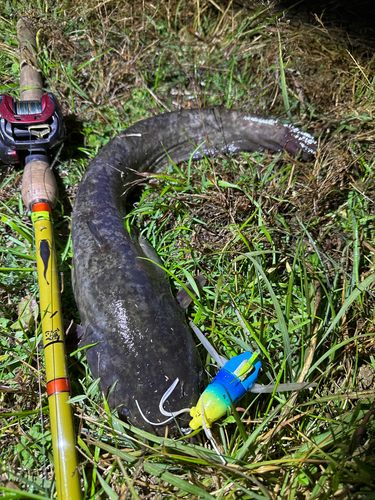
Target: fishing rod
28,128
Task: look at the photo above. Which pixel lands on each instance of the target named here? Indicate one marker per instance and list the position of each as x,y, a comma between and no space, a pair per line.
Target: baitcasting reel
30,126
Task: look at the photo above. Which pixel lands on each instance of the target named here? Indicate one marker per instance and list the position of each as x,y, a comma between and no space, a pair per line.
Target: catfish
137,337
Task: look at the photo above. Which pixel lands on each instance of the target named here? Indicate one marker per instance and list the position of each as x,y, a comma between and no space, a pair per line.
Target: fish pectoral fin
84,333
184,298
80,332
150,253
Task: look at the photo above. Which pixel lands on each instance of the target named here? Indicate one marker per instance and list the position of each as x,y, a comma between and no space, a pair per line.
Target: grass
291,244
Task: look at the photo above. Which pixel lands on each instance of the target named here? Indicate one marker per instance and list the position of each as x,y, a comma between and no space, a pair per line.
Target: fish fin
150,253
80,332
84,334
183,298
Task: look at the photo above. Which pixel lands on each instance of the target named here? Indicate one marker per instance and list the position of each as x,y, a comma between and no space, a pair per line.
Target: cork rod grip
38,183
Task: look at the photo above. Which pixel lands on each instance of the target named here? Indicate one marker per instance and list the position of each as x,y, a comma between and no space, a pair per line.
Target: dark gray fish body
124,301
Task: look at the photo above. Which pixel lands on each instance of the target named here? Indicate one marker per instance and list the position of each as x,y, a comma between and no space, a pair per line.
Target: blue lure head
231,383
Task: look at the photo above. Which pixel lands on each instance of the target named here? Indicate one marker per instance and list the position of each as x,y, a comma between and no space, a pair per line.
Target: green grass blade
161,471
284,88
279,313
360,288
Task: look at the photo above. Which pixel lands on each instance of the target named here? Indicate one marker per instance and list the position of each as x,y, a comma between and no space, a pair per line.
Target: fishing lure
231,383
236,377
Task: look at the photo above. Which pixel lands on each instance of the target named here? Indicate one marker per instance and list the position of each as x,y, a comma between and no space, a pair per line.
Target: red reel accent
7,111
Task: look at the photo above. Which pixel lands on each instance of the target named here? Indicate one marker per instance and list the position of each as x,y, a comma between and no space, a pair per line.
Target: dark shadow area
357,19
74,139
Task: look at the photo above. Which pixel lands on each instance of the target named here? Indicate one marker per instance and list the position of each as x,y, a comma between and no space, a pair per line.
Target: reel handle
38,183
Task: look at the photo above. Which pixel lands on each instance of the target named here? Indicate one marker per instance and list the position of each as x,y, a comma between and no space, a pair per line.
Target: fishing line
163,399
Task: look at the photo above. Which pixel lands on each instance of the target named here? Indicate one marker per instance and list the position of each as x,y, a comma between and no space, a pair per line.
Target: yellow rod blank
58,385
